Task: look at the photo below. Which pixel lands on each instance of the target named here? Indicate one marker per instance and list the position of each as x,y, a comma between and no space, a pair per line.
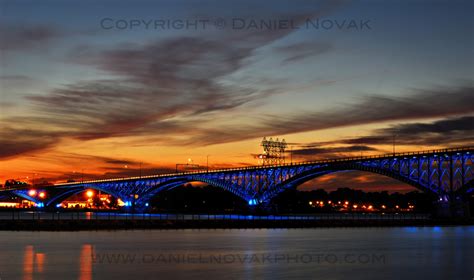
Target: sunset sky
86,87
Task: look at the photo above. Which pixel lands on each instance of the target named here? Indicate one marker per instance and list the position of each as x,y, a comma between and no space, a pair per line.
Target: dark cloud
330,151
462,124
302,50
20,78
14,142
26,36
420,104
157,83
454,131
170,62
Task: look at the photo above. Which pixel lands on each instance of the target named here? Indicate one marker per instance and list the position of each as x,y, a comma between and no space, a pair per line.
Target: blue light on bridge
40,204
146,204
437,229
253,202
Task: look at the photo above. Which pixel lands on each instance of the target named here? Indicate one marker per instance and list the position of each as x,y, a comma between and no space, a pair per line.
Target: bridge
447,174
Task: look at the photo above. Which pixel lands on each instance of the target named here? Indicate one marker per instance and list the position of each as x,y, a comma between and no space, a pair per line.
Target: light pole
207,163
33,182
393,142
291,154
125,171
140,169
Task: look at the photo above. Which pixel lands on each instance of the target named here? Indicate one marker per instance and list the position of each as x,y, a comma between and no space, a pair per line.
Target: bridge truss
447,174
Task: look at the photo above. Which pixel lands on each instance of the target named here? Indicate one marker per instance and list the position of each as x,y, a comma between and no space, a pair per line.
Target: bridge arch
60,197
171,184
314,173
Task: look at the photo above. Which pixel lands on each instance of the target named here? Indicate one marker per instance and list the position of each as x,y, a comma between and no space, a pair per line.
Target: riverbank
77,225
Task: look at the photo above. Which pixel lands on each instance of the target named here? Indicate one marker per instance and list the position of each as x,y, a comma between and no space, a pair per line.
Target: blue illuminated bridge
447,174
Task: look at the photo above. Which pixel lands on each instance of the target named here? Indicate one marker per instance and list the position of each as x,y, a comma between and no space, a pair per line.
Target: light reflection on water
85,260
408,252
28,263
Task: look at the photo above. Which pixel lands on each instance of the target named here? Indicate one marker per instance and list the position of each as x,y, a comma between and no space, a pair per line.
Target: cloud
448,131
176,76
89,167
298,51
420,104
445,126
14,142
164,86
26,36
328,152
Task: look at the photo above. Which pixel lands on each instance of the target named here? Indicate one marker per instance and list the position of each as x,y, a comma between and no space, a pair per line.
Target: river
322,253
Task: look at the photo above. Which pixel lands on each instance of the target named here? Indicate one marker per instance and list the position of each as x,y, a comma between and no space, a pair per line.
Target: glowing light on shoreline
89,193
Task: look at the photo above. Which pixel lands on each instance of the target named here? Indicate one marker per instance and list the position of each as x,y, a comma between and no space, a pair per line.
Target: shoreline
96,225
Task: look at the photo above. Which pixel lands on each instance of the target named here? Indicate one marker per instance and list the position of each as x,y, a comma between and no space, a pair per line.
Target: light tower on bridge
273,151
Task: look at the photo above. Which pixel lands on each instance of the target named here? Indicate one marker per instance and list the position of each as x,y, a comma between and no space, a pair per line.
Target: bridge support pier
263,208
453,208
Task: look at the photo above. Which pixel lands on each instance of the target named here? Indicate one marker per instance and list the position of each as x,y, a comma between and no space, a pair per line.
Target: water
35,215
326,253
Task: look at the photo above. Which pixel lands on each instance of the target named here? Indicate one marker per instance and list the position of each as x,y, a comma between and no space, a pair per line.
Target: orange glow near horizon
75,162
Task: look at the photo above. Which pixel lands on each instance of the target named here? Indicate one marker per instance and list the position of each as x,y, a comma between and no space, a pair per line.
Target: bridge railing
254,167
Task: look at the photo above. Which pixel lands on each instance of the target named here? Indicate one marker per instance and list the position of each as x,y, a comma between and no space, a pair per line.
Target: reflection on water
36,260
31,260
39,261
28,263
85,260
362,253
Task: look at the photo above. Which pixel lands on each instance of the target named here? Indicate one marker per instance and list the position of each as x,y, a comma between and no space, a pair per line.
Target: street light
291,154
90,193
140,169
33,182
82,175
207,162
125,172
394,135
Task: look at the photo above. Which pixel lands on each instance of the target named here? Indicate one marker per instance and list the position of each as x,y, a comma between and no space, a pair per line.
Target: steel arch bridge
447,174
